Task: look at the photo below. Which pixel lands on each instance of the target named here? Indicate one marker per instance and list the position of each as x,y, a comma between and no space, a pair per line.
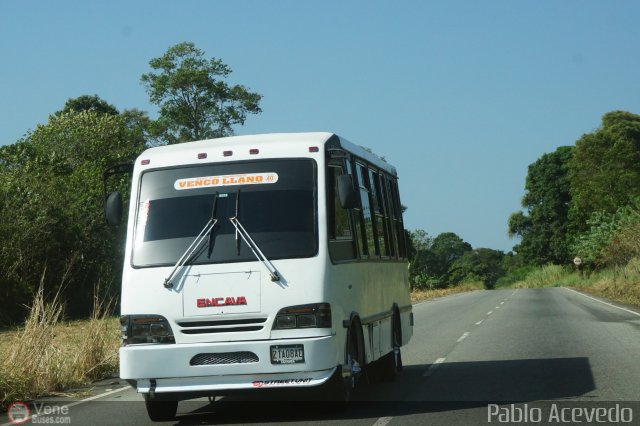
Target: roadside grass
47,355
545,276
421,295
620,284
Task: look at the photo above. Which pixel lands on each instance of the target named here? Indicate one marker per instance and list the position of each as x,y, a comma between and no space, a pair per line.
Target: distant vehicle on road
259,262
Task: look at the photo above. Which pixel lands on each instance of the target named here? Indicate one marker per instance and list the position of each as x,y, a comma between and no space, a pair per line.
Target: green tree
88,103
605,169
612,239
433,258
447,248
195,102
481,264
420,257
51,208
420,240
134,119
544,228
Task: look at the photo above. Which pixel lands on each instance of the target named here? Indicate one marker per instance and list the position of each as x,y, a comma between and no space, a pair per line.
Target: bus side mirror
113,209
346,193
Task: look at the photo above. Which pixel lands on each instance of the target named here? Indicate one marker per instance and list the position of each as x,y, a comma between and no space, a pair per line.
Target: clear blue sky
461,96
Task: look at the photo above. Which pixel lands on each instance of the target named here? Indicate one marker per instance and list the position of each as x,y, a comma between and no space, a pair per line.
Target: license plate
287,354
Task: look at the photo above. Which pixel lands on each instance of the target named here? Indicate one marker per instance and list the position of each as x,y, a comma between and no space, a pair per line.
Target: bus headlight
145,329
317,315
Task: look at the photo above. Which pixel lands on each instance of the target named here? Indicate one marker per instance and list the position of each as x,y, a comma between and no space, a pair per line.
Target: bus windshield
275,200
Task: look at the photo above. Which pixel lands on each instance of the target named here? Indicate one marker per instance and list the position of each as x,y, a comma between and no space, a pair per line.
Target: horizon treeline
581,200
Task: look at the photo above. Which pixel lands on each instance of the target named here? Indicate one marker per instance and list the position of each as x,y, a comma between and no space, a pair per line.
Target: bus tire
160,411
391,363
345,379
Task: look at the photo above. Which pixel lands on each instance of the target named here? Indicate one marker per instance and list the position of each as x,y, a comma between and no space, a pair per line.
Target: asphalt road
473,358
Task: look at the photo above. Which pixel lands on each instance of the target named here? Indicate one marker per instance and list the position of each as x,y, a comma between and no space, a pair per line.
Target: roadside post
579,266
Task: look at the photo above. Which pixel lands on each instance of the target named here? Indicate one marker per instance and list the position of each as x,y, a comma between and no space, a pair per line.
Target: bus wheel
344,381
159,411
391,363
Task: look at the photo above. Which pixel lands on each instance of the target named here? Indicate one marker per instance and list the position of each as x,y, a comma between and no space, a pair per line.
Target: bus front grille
222,330
222,326
224,358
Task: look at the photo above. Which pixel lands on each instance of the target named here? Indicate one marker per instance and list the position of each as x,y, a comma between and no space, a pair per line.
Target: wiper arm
214,220
208,228
273,272
237,216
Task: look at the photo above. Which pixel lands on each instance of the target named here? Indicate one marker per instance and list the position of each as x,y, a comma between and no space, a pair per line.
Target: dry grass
47,356
421,295
620,284
546,276
620,292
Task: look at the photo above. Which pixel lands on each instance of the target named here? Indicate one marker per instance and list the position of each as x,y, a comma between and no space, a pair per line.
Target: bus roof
283,140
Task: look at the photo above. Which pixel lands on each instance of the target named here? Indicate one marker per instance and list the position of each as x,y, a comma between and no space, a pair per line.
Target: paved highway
468,351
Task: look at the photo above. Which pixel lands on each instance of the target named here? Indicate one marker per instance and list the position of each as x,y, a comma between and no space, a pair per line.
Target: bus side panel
370,289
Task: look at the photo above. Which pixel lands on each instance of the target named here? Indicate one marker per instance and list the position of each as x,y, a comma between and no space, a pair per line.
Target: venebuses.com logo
18,413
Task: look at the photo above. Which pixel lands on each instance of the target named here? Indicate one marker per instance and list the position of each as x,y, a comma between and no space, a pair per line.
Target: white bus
259,262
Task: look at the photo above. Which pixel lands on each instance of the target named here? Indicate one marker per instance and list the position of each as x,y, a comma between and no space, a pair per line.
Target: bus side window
395,195
369,238
356,217
340,236
379,214
391,217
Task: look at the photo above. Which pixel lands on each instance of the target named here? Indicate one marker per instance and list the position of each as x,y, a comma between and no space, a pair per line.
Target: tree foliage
447,248
88,103
51,221
613,239
579,199
434,257
447,260
605,168
482,264
543,229
195,102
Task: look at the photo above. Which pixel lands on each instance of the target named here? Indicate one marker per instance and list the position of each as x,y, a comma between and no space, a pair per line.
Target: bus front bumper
166,368
233,383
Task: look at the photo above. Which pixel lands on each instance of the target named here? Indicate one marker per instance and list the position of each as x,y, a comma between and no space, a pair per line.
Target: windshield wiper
208,228
273,272
213,220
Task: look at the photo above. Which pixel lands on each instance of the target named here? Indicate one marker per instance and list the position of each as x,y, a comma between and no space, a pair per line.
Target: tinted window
380,226
369,235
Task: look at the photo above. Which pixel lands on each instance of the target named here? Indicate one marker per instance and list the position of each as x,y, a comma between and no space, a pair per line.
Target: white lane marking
382,421
489,313
604,303
464,336
433,367
110,392
502,303
497,307
479,322
99,396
